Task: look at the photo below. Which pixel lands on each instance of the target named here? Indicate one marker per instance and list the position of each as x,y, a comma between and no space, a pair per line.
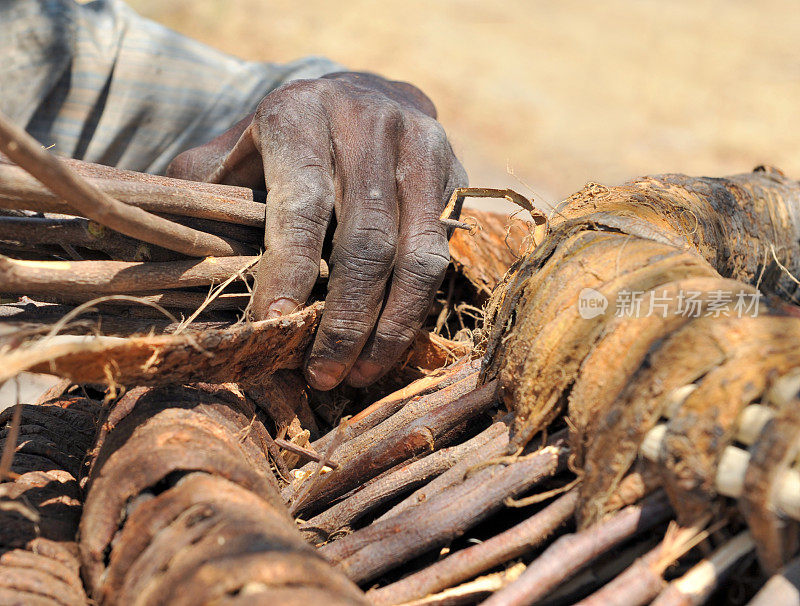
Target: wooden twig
99,206
389,405
496,447
304,452
572,552
479,558
643,580
384,545
18,190
472,592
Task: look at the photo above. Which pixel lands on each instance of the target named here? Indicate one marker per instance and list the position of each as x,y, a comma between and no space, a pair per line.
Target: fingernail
281,307
324,374
363,373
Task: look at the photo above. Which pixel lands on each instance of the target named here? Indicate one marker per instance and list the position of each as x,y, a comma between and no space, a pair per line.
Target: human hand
371,151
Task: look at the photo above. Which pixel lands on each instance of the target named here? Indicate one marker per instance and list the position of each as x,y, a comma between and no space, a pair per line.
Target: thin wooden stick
304,452
39,231
422,435
91,202
386,407
479,558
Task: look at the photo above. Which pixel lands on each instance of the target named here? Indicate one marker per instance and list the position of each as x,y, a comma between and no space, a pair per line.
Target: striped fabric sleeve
100,83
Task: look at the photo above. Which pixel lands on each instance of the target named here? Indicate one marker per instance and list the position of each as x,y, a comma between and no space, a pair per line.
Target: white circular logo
591,303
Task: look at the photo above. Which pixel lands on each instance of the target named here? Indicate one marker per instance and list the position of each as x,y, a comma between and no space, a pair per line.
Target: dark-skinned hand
371,151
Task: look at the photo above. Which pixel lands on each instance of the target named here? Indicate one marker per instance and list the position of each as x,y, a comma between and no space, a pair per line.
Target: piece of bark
250,352
182,507
483,255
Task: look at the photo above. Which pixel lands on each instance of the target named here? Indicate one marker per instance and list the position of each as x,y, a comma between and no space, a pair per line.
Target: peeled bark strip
182,508
681,217
40,508
249,352
485,254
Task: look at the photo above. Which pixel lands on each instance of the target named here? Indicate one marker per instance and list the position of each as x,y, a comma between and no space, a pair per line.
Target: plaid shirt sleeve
99,83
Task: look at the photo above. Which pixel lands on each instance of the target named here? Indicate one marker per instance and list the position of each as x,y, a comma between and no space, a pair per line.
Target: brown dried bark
40,508
182,508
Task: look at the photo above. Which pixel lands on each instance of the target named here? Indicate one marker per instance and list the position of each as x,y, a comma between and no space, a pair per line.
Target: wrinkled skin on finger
370,152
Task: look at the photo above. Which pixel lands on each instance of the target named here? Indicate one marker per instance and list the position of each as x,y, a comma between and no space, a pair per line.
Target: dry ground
563,92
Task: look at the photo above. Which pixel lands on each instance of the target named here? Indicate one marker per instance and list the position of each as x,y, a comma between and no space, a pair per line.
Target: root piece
110,277
395,441
407,477
469,562
570,553
694,587
153,193
384,545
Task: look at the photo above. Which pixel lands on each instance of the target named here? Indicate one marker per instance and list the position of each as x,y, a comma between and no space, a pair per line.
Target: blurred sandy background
561,92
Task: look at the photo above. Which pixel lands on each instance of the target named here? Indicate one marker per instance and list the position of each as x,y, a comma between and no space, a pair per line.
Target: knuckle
426,266
372,252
